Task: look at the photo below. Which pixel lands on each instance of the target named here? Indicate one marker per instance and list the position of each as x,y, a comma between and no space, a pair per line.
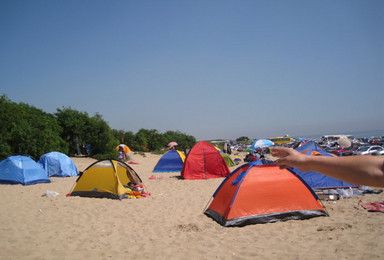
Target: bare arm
362,170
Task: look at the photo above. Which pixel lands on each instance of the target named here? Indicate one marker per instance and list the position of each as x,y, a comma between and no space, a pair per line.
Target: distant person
250,157
362,170
229,150
225,148
89,149
122,154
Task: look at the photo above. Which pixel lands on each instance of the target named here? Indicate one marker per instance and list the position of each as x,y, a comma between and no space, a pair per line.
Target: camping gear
261,143
314,179
228,160
204,162
23,170
107,179
171,161
255,194
57,164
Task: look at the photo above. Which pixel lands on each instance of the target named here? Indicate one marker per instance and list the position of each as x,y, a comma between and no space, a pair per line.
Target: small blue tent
22,170
314,179
58,165
171,161
311,146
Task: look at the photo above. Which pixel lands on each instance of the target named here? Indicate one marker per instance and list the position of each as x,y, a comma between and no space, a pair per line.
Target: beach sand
170,224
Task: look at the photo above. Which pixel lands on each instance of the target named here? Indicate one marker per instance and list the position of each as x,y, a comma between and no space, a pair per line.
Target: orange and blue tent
171,161
204,161
255,194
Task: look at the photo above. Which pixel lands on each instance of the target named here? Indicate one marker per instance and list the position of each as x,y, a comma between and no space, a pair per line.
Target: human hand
288,157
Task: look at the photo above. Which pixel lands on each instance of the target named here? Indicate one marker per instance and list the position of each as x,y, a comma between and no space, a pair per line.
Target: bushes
28,130
80,130
152,141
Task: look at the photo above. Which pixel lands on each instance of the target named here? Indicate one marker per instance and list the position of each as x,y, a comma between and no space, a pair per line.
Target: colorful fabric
374,207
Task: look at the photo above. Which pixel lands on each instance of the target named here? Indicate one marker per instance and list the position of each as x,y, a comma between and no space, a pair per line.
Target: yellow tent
107,179
125,147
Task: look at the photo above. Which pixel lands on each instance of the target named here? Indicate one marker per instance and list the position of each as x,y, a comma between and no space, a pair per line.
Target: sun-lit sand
170,224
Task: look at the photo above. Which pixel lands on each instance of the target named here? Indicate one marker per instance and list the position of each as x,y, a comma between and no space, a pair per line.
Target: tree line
27,130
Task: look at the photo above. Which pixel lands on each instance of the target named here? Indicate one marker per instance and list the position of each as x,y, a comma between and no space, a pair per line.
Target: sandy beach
170,224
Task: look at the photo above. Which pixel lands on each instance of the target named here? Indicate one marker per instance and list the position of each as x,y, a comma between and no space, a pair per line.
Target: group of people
254,156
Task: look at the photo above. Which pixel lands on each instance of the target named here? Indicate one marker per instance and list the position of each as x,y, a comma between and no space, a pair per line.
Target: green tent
228,160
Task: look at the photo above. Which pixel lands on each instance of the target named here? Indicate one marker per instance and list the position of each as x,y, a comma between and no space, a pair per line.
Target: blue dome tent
23,170
58,165
171,161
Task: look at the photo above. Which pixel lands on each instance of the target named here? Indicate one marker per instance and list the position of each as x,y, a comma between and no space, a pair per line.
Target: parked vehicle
281,140
369,150
377,142
343,151
332,149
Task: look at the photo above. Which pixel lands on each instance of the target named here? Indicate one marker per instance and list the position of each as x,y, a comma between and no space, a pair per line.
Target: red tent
255,194
204,162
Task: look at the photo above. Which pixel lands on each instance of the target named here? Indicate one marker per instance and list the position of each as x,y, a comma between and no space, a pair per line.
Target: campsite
147,130
170,224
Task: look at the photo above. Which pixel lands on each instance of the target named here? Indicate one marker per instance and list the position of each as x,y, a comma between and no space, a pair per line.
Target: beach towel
374,207
130,162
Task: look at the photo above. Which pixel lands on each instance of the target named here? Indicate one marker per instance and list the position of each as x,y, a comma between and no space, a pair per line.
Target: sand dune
170,224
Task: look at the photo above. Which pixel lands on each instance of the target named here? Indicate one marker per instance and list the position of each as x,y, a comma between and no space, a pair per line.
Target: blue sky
211,69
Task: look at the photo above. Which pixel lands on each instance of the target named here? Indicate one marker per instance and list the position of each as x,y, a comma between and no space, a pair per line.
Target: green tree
149,140
74,125
81,130
99,135
242,139
28,130
184,141
127,138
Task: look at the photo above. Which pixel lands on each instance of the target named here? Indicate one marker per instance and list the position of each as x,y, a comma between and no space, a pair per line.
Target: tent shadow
177,177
